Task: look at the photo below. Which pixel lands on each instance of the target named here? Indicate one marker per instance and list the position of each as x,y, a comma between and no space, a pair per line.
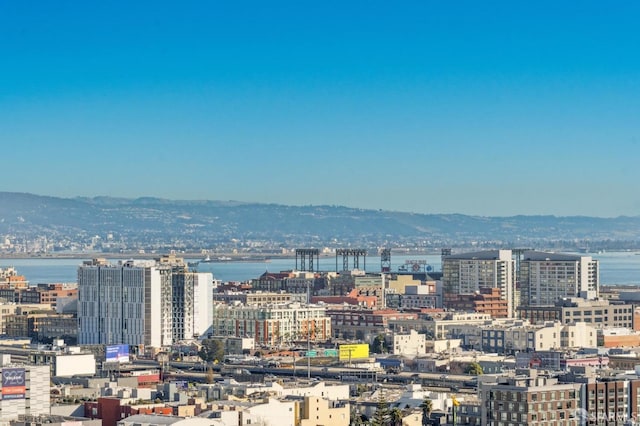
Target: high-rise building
192,304
468,273
545,278
120,304
142,303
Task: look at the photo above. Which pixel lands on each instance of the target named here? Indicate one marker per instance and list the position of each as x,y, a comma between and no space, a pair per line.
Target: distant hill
153,221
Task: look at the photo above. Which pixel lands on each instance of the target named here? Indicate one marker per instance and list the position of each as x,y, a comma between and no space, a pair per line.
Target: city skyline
494,109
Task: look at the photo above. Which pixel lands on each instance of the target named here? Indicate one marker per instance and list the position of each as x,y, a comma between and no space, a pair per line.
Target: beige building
597,313
10,309
6,310
456,324
412,343
522,336
272,324
372,285
272,412
318,411
257,298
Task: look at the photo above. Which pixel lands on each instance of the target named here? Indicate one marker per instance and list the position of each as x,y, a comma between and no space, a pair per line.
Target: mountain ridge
202,223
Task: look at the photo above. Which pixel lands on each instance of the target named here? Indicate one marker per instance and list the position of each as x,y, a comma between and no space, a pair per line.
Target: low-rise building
25,390
522,336
254,298
320,411
272,324
412,343
597,313
362,324
452,325
618,338
352,298
485,301
528,399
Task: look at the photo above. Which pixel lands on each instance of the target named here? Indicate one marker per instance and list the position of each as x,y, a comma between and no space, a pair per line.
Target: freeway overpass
196,372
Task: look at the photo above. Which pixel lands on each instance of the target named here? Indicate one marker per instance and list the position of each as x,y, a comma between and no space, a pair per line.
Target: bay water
616,268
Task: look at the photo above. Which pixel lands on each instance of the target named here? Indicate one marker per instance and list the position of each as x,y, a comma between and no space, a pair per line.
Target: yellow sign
351,352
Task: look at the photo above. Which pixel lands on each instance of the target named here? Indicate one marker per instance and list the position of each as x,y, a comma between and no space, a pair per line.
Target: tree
427,408
211,350
355,418
396,417
474,369
382,414
378,346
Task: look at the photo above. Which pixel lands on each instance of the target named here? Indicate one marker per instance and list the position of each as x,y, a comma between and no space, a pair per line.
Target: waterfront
616,268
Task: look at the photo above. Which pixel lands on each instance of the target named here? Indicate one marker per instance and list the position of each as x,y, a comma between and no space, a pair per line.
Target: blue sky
483,108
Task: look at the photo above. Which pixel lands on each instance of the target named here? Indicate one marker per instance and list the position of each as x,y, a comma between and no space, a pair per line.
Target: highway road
195,371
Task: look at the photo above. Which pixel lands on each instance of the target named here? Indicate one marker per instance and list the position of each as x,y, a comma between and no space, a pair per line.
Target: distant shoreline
190,256
232,257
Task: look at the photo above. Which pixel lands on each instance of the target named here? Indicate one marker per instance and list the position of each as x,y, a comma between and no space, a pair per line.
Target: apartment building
191,304
352,298
42,326
412,343
610,401
256,298
272,324
528,399
452,325
545,278
486,301
9,279
522,336
372,285
598,313
121,304
297,282
319,411
468,273
358,323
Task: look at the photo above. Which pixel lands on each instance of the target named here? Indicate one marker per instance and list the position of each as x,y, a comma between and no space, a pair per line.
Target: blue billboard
117,353
14,383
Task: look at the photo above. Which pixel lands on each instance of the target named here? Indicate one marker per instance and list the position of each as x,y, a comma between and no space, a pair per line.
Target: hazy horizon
80,197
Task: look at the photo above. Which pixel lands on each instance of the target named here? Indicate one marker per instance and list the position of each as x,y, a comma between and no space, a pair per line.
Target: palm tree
355,417
396,417
427,408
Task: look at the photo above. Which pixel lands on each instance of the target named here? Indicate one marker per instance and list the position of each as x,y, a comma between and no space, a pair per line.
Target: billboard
14,383
117,353
350,352
75,365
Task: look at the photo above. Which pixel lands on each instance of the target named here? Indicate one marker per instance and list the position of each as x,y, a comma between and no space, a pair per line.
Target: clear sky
478,107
